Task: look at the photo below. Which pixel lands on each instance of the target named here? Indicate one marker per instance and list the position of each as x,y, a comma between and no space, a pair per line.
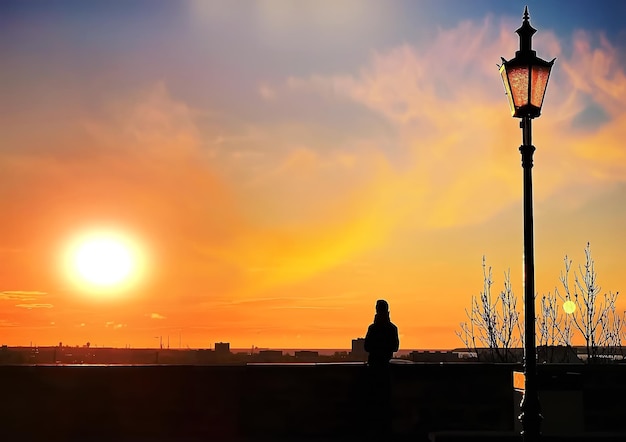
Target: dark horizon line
213,348
438,349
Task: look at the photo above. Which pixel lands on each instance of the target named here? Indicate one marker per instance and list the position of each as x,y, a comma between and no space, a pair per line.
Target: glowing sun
104,261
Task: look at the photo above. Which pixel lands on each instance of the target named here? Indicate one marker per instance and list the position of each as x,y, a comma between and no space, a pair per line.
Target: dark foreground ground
451,402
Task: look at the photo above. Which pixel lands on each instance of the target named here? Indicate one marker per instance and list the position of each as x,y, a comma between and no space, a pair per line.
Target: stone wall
270,402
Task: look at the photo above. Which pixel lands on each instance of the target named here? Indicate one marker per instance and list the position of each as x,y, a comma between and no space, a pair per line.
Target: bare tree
611,325
595,317
493,322
554,327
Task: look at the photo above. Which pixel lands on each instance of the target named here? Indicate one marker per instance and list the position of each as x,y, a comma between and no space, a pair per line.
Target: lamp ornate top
525,32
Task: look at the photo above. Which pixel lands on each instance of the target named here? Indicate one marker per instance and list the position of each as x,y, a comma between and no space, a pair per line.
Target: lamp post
525,80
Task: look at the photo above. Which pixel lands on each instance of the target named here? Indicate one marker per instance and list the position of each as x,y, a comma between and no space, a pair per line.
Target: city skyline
273,168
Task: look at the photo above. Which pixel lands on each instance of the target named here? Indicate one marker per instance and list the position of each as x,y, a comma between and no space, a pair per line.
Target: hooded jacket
381,340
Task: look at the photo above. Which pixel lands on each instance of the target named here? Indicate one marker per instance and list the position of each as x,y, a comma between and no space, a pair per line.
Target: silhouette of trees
494,323
554,327
595,317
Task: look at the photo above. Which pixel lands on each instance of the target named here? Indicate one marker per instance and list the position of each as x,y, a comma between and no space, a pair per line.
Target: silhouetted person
381,341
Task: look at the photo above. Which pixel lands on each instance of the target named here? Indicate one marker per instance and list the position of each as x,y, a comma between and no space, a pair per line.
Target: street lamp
525,80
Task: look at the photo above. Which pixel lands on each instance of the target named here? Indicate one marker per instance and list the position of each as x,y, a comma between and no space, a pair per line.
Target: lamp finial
525,33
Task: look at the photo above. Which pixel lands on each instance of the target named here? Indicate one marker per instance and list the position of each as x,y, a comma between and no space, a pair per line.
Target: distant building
485,354
358,350
433,356
545,354
306,356
222,350
558,354
465,354
204,356
270,356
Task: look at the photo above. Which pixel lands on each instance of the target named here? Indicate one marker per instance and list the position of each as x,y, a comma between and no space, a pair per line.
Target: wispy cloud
156,316
455,156
21,295
34,306
254,195
266,92
306,307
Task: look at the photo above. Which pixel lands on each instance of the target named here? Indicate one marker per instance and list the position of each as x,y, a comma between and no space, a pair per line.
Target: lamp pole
531,410
525,80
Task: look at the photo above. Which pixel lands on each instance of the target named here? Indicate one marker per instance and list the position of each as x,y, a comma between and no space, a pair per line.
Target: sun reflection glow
569,307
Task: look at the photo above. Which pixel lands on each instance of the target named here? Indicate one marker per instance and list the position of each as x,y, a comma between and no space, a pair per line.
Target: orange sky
274,211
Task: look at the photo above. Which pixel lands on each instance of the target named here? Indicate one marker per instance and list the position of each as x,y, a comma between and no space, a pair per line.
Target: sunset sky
278,165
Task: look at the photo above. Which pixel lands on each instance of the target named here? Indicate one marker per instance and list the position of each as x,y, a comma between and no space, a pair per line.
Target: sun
104,261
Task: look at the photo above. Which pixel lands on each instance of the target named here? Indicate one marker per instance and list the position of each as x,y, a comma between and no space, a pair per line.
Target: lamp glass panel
507,88
518,80
539,77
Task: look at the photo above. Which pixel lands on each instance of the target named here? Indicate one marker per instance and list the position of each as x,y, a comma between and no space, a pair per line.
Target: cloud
145,146
446,105
446,157
203,213
594,69
34,306
156,316
266,92
21,295
307,307
423,141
